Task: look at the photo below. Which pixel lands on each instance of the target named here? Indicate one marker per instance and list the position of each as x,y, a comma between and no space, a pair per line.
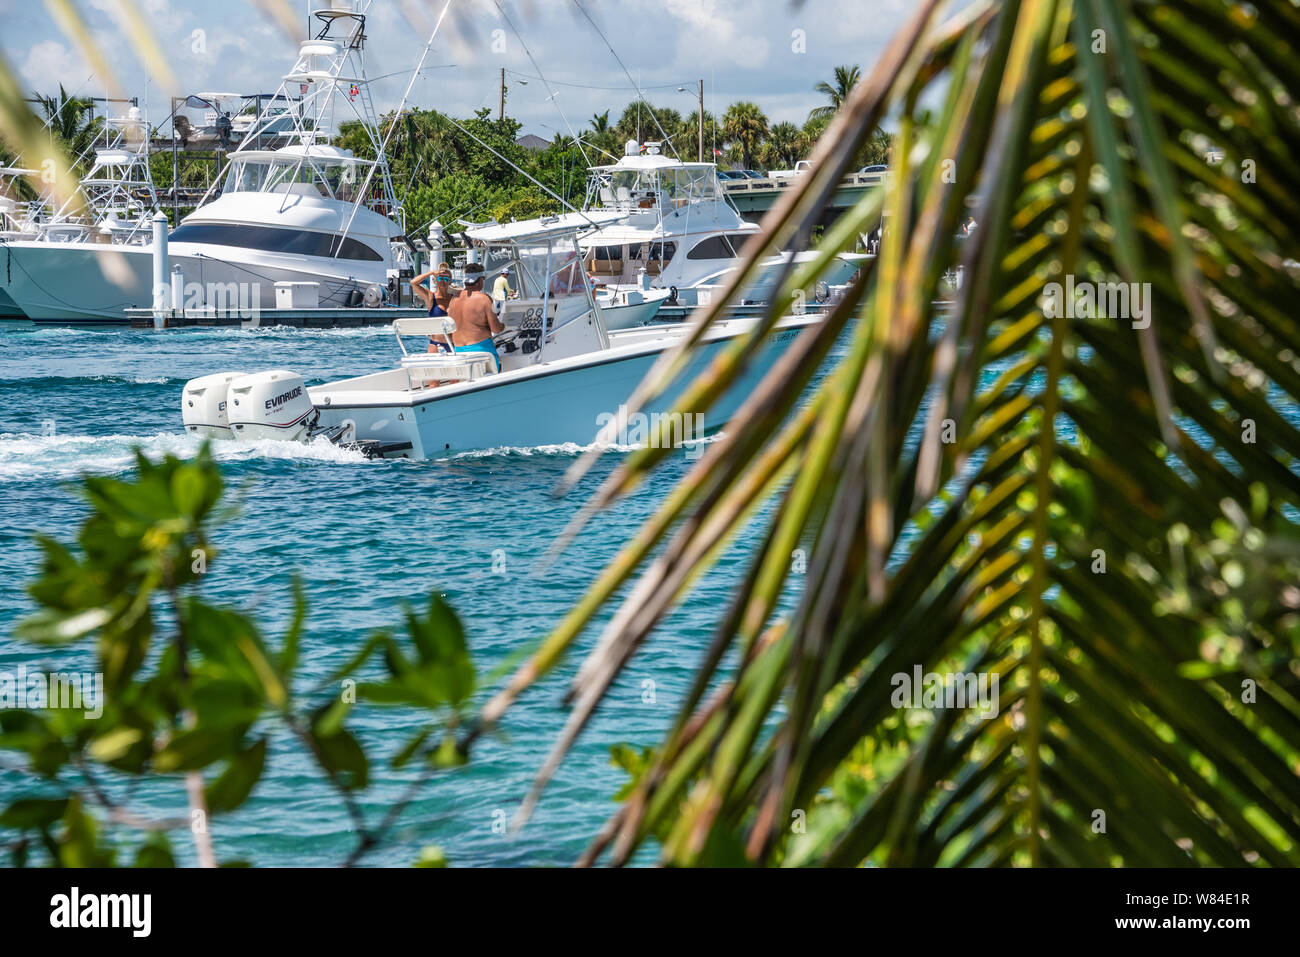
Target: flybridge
328,85
651,183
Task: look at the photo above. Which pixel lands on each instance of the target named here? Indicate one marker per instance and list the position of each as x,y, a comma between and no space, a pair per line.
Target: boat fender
672,295
354,298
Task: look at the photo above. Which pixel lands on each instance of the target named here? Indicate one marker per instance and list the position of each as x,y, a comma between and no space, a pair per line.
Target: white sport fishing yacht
18,219
306,212
680,232
562,376
113,204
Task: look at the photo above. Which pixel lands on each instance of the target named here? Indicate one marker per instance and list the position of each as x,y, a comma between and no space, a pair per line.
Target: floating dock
318,318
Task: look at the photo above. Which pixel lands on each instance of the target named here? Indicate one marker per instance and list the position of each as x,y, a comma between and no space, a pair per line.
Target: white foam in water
47,332
572,449
27,456
286,332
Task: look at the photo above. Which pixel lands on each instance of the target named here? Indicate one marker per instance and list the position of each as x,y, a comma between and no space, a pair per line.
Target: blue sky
769,51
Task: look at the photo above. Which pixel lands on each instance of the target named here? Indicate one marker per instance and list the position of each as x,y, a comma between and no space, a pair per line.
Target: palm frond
1057,498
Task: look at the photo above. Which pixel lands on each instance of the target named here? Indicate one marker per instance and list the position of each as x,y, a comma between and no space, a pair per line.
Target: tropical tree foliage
190,693
1095,503
744,128
71,120
875,151
600,136
786,145
846,78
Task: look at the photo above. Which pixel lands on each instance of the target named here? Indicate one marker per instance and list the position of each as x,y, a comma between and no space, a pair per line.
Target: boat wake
24,456
693,448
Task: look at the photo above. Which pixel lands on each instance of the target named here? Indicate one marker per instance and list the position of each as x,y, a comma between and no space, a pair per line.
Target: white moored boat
679,233
304,213
563,377
16,224
110,208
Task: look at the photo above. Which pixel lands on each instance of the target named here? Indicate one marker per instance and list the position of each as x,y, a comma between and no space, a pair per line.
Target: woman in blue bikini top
436,297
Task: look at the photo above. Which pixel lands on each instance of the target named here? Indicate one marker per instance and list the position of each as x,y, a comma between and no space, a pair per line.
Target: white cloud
49,63
741,48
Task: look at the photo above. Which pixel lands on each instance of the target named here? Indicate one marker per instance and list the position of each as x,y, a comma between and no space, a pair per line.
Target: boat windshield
691,184
331,178
532,267
665,188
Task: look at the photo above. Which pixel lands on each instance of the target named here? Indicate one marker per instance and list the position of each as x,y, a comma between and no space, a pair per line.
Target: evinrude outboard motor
204,404
270,405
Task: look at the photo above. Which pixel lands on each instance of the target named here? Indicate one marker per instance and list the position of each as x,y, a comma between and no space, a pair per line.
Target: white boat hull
630,315
93,282
8,308
549,404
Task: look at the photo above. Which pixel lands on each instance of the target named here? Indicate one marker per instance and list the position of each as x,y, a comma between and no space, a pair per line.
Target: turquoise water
364,536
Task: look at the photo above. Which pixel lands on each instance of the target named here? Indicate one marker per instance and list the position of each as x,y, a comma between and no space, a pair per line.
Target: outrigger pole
383,147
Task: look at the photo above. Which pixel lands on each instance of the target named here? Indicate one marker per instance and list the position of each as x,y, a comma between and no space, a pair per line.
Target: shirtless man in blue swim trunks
476,317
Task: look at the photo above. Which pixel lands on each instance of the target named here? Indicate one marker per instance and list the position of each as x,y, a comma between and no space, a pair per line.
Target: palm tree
785,146
876,150
642,122
71,119
745,127
1092,502
602,136
688,135
846,78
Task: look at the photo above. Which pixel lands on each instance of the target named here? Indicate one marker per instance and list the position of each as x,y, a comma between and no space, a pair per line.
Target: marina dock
321,318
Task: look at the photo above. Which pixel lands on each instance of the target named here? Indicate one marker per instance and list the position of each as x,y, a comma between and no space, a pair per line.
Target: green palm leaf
1097,508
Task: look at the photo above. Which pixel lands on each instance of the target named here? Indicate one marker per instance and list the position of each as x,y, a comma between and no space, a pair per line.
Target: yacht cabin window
724,246
272,239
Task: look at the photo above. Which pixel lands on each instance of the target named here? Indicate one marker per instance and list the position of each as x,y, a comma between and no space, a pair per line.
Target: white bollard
436,238
178,290
159,271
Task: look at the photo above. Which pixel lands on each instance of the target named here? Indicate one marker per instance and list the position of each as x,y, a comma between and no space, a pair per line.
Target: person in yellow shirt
501,290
